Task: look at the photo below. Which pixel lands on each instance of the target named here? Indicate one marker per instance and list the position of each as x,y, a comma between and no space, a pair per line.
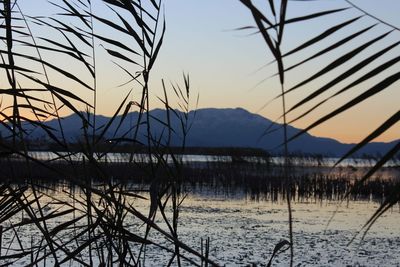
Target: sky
226,65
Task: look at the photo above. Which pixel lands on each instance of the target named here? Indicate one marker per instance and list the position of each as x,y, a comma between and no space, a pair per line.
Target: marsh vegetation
78,207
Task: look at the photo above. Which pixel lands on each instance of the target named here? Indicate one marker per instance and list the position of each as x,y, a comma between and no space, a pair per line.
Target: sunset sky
226,65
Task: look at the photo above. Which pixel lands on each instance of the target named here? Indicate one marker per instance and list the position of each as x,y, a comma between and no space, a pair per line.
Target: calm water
243,231
303,161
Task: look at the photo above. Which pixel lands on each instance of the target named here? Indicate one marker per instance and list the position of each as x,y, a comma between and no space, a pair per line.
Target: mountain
212,127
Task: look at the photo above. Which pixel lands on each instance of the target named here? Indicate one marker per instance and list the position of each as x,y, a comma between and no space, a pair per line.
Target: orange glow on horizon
352,138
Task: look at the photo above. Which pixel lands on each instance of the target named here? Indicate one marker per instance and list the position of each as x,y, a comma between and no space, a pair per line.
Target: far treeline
108,146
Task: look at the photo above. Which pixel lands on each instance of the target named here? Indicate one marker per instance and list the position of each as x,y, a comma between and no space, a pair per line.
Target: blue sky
223,63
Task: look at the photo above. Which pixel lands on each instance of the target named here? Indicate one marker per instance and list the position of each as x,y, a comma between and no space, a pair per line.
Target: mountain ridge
217,127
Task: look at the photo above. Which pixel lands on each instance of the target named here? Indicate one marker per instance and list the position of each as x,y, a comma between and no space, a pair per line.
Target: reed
99,229
271,21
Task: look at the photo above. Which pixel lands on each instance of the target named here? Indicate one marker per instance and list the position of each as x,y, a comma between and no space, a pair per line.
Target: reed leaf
321,36
376,133
353,102
336,63
344,75
278,247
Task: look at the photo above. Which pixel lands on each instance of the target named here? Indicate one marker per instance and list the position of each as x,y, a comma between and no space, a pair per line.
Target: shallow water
243,231
188,158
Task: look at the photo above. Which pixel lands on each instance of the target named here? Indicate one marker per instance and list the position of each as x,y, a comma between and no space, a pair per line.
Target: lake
193,158
242,229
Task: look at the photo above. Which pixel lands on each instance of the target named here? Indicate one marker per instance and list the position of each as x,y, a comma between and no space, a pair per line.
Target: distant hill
212,127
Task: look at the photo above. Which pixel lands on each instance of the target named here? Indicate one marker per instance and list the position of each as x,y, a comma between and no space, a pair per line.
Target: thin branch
372,16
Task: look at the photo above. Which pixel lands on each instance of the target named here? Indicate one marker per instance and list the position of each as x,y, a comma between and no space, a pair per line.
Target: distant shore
257,177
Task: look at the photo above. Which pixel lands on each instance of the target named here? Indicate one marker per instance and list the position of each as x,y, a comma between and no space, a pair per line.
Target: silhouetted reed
90,222
259,180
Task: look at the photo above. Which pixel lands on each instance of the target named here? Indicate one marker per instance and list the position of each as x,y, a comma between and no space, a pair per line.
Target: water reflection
305,161
242,228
